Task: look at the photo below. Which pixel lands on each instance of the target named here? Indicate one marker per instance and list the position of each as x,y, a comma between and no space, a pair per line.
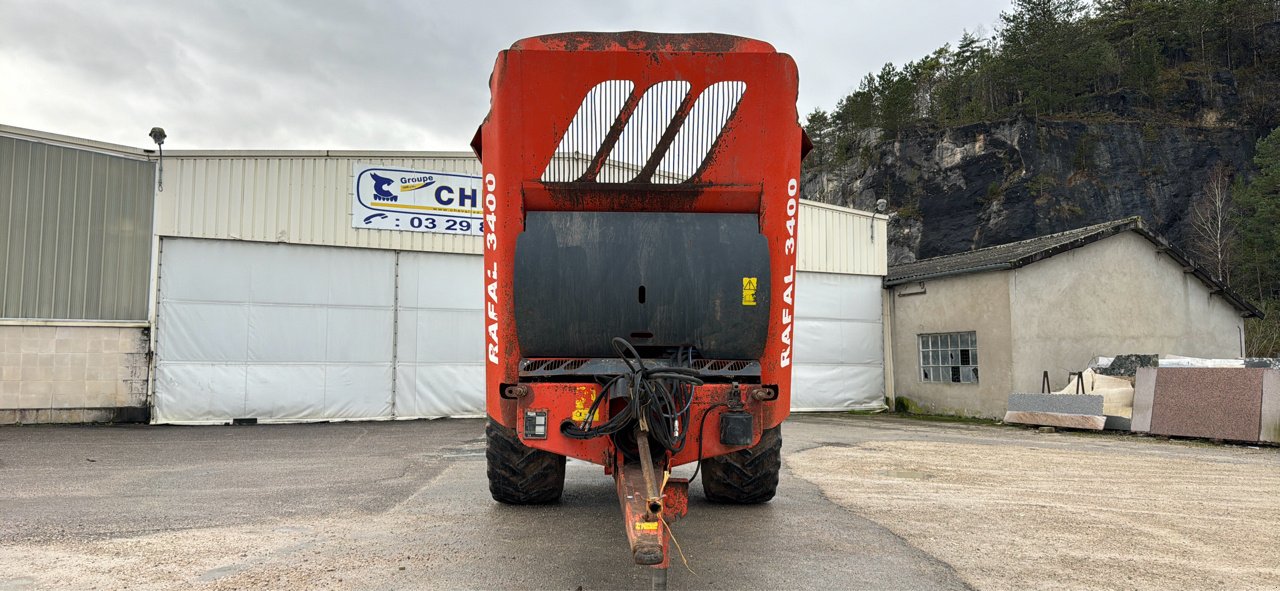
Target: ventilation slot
646,126
719,365
585,135
552,365
702,127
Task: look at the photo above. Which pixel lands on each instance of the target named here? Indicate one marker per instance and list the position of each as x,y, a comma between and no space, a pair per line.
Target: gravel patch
1140,515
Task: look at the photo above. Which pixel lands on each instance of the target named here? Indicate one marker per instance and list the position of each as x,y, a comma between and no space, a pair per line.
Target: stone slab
1075,404
1214,403
1117,423
1270,431
1144,391
1056,419
1126,365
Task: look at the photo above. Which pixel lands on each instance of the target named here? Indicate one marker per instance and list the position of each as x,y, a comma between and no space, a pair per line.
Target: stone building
968,329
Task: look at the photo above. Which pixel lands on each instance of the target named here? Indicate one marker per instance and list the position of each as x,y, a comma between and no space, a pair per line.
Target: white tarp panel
839,352
280,332
839,349
440,336
273,332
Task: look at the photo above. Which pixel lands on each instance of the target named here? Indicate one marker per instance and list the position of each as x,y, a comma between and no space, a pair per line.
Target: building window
949,357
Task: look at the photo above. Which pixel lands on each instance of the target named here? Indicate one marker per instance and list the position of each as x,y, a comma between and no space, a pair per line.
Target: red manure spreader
641,193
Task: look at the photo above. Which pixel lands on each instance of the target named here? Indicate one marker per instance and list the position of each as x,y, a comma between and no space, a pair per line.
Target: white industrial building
263,303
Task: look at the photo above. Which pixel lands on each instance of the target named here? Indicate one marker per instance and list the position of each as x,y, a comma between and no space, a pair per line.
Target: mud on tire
745,477
518,474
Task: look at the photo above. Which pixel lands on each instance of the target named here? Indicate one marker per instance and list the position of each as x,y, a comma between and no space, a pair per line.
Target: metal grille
699,132
552,364
646,126
560,367
719,365
664,137
586,133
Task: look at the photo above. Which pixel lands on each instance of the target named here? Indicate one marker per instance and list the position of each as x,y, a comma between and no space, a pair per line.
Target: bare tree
1213,225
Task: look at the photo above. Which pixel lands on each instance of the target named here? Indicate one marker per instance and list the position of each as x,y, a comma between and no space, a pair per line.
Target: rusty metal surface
752,166
567,401
645,531
675,499
642,41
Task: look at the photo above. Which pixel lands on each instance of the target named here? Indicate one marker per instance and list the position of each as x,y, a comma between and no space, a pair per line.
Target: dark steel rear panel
578,277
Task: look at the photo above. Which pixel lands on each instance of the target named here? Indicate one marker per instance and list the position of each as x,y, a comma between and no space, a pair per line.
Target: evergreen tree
819,126
1068,57
1258,254
894,92
1050,53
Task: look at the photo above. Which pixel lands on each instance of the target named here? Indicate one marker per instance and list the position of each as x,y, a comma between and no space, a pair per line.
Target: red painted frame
537,87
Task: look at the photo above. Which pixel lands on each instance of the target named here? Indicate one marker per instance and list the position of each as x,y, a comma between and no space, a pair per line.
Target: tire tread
519,474
748,476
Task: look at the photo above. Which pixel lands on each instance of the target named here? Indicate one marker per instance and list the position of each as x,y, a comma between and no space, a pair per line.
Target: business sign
416,200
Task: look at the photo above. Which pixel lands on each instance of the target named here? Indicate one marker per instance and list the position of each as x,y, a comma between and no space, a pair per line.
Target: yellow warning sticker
749,290
582,405
647,525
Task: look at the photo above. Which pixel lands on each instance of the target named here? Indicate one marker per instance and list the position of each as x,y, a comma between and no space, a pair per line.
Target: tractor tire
745,477
518,474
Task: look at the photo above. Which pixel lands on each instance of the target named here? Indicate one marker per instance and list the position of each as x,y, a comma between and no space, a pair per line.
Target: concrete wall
1117,295
978,302
72,374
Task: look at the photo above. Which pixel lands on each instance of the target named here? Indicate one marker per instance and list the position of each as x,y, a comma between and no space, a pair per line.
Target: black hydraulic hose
663,393
701,429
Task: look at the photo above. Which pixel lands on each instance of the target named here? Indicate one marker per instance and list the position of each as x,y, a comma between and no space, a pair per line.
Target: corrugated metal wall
842,240
305,198
299,198
75,232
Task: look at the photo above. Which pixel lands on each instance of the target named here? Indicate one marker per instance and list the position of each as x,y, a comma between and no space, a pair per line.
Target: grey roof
1019,254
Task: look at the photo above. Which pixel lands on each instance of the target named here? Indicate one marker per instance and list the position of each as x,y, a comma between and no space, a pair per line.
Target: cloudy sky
393,75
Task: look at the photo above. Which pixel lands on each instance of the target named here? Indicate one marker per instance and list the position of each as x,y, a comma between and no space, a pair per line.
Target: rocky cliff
955,189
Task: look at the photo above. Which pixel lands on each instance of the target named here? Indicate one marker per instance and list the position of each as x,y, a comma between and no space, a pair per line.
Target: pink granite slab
1215,403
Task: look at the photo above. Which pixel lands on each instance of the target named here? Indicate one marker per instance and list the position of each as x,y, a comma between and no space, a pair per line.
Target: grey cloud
379,75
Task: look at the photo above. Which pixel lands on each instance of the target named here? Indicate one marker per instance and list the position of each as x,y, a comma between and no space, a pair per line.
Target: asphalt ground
399,505
865,503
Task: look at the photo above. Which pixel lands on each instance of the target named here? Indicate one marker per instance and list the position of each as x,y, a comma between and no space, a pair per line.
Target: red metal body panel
537,87
561,400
